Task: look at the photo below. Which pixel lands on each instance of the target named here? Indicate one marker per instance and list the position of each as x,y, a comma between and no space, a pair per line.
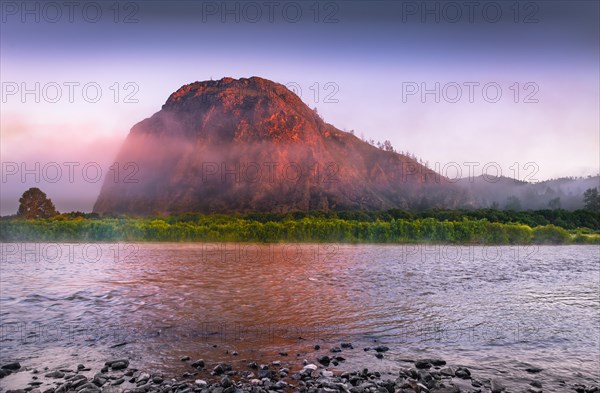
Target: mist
68,164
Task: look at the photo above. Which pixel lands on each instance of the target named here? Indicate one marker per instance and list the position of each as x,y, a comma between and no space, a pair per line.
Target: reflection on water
489,308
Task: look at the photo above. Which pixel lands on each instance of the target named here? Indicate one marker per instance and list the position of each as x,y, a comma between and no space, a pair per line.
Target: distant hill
506,193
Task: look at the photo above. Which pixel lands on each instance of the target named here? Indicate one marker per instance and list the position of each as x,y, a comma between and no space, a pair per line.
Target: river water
495,310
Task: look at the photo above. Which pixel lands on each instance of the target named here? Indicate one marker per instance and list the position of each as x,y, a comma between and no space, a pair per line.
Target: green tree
387,145
513,203
591,199
35,204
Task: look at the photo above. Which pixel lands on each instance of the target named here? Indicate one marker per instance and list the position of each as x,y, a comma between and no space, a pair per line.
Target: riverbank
269,228
324,374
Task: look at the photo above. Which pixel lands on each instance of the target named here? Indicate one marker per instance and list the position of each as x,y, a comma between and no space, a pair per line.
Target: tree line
310,228
37,219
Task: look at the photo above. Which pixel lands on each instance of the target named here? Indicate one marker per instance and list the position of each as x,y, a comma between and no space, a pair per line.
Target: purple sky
359,70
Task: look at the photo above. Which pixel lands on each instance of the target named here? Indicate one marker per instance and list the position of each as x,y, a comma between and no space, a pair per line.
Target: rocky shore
322,375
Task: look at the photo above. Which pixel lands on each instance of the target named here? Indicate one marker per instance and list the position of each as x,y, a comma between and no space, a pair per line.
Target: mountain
507,193
252,145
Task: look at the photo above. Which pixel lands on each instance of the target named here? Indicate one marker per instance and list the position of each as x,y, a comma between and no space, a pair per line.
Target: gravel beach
323,374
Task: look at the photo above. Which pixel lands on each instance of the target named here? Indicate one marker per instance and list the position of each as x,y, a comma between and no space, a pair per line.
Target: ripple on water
179,299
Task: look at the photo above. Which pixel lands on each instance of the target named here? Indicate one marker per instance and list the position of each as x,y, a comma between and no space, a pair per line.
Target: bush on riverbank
237,228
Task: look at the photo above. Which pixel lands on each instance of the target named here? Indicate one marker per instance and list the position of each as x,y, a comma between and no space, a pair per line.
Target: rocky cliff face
253,145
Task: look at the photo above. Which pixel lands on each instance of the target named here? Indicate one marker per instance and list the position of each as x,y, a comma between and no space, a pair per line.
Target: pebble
421,378
86,387
142,378
198,363
421,364
117,382
265,374
536,384
226,382
11,366
200,382
78,380
476,383
447,371
100,379
534,370
310,367
437,362
117,363
55,374
280,385
462,372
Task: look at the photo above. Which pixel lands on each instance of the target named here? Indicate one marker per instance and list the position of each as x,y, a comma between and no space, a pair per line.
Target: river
495,310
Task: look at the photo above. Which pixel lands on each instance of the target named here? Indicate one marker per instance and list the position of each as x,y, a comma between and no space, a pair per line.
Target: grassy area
460,227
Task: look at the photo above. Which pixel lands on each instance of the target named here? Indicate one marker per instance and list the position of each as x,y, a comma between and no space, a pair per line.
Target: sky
504,84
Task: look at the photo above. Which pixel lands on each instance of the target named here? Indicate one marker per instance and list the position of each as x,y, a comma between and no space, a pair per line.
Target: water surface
496,310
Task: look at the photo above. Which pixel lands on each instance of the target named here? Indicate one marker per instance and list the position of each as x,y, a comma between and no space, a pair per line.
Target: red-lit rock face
253,145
